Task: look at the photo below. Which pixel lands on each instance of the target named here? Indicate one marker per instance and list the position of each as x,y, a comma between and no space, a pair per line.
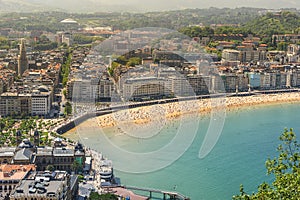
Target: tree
285,168
134,61
77,166
108,196
50,168
65,93
68,108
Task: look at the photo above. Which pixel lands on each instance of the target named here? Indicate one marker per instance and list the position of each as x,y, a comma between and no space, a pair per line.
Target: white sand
143,115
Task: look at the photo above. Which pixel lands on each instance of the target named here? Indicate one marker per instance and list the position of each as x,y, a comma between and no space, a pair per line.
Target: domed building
25,144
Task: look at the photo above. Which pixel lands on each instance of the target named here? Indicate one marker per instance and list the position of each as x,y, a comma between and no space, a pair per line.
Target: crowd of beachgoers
146,114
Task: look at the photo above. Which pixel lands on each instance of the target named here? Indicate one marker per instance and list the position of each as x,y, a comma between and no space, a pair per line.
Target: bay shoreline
169,111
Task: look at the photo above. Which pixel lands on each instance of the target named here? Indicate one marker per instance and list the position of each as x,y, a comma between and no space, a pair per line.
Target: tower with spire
22,59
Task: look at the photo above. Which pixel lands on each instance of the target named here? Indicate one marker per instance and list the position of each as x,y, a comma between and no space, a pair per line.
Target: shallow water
248,138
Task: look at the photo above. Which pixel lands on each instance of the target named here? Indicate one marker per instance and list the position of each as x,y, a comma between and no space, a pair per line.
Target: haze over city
136,5
149,100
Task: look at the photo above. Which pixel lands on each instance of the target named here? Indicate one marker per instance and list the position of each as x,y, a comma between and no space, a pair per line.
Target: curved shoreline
146,114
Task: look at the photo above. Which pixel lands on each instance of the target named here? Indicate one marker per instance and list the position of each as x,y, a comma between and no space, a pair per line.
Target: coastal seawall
145,112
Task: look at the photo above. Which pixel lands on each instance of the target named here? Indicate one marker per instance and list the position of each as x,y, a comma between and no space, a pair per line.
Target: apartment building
90,90
201,84
293,51
105,89
254,80
143,87
294,38
7,154
41,103
230,82
242,83
10,176
44,185
230,55
15,104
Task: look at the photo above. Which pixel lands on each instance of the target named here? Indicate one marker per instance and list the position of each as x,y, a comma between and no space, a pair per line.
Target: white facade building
41,103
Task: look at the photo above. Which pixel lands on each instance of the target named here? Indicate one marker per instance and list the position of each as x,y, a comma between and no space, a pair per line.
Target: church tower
36,136
22,59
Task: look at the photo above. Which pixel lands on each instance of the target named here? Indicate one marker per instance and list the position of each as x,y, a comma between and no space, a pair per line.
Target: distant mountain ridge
135,5
24,6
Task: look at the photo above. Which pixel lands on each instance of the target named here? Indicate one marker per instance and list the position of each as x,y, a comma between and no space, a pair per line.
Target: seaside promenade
143,112
143,115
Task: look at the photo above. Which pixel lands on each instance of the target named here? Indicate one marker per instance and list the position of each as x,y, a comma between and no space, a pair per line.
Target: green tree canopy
108,196
285,168
50,168
68,108
134,61
77,166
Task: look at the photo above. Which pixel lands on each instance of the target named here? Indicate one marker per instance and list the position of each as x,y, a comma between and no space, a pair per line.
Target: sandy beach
144,115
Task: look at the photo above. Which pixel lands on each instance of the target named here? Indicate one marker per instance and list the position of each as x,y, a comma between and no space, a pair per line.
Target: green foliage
262,26
285,168
4,43
65,68
215,51
134,61
77,166
108,196
233,30
45,21
68,108
196,31
84,39
111,69
80,178
46,46
65,93
269,24
282,46
50,168
121,60
43,43
50,21
9,127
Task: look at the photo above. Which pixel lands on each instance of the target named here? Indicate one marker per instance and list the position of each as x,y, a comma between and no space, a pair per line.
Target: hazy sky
150,5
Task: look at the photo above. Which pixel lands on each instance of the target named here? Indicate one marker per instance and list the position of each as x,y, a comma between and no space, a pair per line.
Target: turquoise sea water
249,137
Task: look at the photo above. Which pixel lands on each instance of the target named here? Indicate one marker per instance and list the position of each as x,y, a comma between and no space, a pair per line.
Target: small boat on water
106,169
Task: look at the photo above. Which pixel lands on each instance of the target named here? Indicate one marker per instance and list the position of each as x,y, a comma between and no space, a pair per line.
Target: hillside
269,24
285,22
124,21
246,20
22,6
